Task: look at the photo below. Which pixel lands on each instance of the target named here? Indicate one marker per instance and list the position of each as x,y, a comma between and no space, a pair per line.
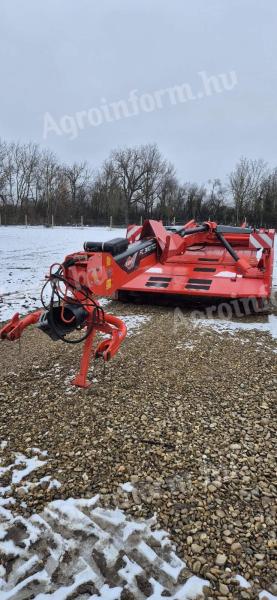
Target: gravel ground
186,416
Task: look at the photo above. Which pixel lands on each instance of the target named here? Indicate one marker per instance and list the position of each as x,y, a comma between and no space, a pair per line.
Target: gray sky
62,57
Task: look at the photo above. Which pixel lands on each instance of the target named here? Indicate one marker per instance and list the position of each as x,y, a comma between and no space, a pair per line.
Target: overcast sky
63,57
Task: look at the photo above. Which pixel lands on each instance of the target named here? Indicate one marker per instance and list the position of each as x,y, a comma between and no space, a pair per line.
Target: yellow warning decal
108,261
108,284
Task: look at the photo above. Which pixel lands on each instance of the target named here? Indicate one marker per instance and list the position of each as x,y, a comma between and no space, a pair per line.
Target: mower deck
209,272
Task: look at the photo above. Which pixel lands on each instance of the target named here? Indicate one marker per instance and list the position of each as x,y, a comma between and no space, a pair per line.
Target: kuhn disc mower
198,261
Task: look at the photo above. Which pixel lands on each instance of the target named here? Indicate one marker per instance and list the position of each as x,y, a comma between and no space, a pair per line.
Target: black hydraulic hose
199,229
227,246
95,317
205,227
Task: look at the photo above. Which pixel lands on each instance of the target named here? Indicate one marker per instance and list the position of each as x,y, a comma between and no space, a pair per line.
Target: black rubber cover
114,247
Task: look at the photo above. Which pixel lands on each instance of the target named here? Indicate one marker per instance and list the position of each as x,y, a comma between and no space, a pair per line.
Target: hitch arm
14,328
111,325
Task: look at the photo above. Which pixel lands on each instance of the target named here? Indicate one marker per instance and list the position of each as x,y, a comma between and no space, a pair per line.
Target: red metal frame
196,257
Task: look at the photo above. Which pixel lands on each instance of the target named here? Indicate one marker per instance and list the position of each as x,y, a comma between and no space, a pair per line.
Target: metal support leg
81,379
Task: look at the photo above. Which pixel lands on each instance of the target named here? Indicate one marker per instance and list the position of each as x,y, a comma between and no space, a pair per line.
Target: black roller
114,247
198,229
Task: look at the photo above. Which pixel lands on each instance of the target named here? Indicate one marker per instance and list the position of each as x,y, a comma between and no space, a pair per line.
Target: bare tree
266,210
133,182
245,184
193,199
154,169
170,197
106,195
129,169
21,165
4,176
77,176
48,181
215,200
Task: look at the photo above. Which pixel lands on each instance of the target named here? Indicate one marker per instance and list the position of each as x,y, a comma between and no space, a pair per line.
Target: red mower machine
205,262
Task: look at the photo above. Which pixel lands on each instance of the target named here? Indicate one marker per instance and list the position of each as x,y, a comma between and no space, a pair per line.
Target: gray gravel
191,427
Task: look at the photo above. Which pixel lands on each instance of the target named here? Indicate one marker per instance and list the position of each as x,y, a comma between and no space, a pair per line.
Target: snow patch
76,542
231,326
267,596
242,581
19,478
185,346
127,487
134,322
32,464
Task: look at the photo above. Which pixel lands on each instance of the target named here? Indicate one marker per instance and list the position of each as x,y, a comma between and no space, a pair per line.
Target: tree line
133,184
